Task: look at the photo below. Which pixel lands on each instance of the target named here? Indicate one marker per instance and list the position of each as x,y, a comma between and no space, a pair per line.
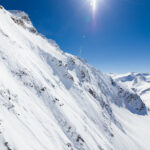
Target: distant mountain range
138,82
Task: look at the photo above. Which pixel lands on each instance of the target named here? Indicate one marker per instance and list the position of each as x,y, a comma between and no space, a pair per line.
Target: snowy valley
51,100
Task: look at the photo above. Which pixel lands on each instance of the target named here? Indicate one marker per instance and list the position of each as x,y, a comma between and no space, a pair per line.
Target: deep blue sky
116,40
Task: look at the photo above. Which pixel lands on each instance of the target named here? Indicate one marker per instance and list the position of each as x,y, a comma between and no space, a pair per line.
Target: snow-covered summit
21,18
51,100
138,82
20,14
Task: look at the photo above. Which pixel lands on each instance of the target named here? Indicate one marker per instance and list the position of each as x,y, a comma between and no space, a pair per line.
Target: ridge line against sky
113,38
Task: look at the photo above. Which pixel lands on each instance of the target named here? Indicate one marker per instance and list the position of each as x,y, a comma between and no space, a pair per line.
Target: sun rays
93,5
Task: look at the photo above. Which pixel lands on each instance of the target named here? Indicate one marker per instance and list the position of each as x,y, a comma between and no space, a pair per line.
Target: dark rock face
132,102
1,7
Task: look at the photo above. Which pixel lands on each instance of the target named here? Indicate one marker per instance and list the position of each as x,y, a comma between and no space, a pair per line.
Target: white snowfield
138,82
51,100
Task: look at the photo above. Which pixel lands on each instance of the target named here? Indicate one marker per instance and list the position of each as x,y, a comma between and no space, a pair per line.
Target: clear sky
112,35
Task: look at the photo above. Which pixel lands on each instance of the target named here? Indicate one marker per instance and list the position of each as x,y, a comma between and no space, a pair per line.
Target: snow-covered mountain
138,82
51,100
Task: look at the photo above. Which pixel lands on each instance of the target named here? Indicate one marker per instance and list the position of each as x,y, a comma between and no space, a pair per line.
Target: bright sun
93,4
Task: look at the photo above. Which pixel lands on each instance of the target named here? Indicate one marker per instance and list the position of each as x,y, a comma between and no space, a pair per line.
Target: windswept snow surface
51,100
137,82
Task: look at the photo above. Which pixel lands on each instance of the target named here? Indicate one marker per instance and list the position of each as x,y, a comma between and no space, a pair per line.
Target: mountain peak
21,18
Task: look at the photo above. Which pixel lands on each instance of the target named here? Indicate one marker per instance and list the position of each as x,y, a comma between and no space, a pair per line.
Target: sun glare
93,5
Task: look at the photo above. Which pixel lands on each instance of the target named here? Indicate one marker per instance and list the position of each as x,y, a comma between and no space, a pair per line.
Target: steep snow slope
138,82
51,100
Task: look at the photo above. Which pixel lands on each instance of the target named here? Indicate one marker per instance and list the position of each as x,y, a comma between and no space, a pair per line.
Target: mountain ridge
53,100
